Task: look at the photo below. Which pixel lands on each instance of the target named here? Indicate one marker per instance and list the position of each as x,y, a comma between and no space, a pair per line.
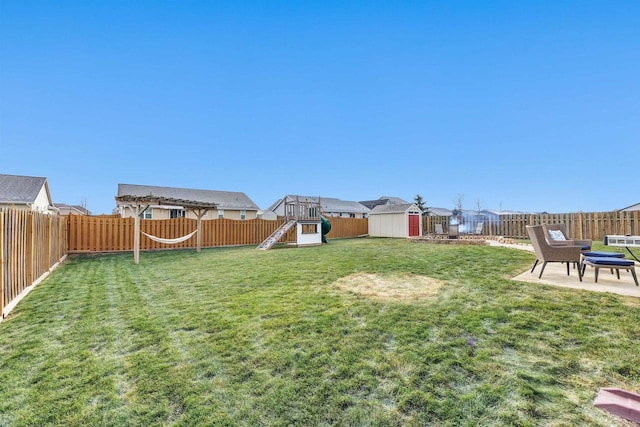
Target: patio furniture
439,229
557,236
548,253
613,263
602,254
479,227
599,254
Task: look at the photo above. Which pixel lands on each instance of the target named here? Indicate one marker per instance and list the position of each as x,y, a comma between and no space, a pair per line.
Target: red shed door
414,225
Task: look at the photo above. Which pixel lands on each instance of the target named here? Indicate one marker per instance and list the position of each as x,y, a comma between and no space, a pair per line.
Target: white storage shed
395,221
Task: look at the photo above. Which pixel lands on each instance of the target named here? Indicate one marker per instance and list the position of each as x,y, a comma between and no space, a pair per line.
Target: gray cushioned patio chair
547,253
556,235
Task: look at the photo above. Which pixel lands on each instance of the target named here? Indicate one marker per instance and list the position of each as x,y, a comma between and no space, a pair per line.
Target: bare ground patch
396,287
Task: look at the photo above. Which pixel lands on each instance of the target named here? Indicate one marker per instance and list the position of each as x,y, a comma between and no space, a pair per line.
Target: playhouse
305,215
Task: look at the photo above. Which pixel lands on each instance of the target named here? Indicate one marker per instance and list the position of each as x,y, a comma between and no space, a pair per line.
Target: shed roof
384,200
231,200
388,209
21,189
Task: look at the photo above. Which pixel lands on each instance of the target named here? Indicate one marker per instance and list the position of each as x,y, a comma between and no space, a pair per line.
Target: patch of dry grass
395,287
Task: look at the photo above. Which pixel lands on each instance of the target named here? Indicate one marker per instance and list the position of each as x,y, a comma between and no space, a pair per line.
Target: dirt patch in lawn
396,287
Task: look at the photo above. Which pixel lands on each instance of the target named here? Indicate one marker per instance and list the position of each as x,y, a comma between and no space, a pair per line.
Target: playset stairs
276,235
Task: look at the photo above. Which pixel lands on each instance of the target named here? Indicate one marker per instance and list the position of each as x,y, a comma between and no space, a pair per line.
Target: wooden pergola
138,204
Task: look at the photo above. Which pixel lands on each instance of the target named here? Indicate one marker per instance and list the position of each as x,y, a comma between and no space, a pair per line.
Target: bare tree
458,202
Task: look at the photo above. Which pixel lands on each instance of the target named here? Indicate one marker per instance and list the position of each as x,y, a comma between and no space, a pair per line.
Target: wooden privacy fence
31,245
347,227
581,225
107,234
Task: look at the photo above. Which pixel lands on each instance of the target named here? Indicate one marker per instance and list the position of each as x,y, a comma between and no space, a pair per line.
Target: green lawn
237,336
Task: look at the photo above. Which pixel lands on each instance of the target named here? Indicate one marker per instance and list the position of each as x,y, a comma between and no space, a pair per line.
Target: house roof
388,209
16,189
635,207
384,200
78,208
231,200
327,204
440,212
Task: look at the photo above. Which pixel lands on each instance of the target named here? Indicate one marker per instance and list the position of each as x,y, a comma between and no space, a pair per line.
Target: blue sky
518,105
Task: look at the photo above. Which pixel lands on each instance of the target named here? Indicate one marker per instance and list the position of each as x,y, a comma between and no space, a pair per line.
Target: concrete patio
555,274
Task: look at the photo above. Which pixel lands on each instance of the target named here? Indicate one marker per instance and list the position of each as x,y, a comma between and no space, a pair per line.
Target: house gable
635,207
26,191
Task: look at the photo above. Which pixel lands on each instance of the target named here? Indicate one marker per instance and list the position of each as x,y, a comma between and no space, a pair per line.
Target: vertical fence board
31,243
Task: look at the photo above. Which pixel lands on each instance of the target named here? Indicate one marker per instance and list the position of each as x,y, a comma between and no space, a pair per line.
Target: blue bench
614,263
603,254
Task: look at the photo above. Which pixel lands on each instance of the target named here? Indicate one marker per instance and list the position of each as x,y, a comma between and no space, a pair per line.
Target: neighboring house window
147,214
352,215
243,214
176,213
220,213
309,228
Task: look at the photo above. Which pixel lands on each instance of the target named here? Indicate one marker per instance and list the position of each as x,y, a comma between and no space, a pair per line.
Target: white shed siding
394,223
388,225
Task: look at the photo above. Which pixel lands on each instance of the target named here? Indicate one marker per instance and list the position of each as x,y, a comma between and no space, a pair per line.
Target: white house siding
42,202
267,215
165,213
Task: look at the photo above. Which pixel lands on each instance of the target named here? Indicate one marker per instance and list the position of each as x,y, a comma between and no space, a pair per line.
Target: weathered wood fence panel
31,244
581,225
108,234
347,227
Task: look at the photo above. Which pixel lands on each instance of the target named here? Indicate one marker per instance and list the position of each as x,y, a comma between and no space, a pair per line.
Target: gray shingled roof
20,189
386,209
384,200
440,211
78,208
231,200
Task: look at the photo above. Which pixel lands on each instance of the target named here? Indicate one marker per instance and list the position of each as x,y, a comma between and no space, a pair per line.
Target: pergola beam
136,203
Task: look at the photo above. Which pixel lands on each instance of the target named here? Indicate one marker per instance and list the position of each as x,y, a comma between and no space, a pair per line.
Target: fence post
581,228
136,238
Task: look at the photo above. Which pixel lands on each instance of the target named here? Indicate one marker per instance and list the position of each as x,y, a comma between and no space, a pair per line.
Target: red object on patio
624,404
